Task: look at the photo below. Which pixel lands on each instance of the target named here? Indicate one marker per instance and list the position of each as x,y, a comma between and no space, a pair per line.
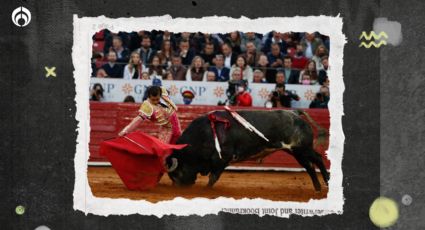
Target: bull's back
276,125
270,123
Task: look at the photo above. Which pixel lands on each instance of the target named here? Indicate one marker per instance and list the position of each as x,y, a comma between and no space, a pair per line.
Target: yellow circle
383,212
20,209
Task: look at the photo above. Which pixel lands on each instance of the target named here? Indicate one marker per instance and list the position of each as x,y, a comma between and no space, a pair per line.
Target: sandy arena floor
277,186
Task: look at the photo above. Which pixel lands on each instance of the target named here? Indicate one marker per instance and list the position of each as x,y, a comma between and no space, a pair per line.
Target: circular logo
21,16
20,210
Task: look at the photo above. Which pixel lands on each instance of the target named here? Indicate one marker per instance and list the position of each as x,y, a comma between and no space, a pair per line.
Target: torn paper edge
85,27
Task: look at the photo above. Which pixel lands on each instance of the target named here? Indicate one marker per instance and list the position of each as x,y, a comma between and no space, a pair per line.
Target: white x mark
50,71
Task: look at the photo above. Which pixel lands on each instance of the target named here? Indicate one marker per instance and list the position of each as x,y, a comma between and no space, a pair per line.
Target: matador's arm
145,112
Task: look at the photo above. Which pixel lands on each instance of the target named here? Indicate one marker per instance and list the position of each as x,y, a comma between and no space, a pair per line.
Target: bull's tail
322,134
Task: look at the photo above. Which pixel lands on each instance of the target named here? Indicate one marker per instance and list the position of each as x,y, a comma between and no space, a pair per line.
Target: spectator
129,99
109,37
326,42
311,69
322,99
188,96
269,73
325,91
196,72
221,72
208,38
134,42
229,56
113,69
177,70
166,53
280,76
146,51
234,40
211,76
292,75
185,52
306,79
123,53
243,98
323,73
96,94
145,76
275,57
165,36
299,61
168,76
186,36
321,51
208,54
101,73
326,82
220,39
236,75
290,44
246,70
266,36
196,42
318,102
251,55
258,76
134,68
275,39
251,37
281,97
310,44
155,68
94,61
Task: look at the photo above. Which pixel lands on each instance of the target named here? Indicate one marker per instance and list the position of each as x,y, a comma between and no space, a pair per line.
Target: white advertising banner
206,93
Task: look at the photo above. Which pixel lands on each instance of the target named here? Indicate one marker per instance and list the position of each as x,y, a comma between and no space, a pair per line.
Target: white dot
406,199
42,227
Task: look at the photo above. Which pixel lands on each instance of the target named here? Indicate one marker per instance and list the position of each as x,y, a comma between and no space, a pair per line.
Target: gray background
382,104
403,113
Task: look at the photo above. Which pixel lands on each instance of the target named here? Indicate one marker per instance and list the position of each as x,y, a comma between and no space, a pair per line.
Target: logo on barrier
376,37
173,90
218,91
127,88
309,95
21,16
263,93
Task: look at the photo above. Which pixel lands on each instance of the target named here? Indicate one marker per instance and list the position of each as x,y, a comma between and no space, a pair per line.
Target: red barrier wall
107,119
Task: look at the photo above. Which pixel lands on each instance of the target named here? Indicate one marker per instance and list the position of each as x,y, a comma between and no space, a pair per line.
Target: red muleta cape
138,158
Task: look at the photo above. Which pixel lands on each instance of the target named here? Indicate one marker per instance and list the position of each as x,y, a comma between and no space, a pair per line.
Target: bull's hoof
318,189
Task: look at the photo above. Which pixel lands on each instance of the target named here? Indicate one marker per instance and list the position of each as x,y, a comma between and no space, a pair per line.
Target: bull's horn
174,165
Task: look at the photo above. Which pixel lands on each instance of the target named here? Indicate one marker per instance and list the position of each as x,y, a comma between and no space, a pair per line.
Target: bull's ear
172,164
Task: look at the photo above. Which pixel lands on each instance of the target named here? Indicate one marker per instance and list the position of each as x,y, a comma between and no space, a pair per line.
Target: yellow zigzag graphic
372,43
372,34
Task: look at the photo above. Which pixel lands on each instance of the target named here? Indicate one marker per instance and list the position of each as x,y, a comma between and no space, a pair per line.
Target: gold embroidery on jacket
146,108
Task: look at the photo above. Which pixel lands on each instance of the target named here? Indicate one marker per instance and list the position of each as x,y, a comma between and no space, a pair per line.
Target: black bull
285,130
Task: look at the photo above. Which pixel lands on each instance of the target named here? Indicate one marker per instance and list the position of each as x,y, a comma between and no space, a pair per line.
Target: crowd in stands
278,58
